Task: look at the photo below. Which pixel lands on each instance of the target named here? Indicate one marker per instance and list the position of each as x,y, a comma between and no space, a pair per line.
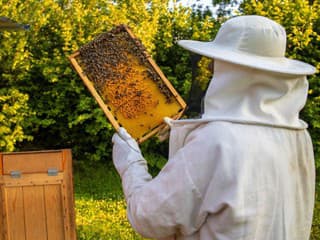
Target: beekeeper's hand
168,121
125,151
164,132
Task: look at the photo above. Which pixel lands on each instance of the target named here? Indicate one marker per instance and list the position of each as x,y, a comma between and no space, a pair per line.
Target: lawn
100,207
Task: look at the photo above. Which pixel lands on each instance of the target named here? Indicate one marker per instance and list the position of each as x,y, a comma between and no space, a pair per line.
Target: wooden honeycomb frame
127,84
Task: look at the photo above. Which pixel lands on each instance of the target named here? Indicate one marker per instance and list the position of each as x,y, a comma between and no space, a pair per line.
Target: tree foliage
35,64
53,109
13,115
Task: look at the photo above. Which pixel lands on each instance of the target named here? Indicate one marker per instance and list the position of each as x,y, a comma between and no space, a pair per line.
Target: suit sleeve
164,206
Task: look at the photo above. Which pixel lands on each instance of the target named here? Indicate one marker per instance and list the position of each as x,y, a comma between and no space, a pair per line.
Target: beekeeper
245,170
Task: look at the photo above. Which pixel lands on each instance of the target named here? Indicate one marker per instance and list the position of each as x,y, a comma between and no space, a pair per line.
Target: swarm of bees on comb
127,84
118,66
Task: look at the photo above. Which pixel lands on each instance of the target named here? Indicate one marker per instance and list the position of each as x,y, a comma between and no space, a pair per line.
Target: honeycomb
127,81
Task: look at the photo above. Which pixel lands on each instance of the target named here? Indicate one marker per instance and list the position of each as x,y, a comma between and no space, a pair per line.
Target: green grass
101,210
99,205
315,232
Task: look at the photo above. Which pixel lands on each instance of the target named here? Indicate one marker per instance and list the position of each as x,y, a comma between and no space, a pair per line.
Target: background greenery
44,104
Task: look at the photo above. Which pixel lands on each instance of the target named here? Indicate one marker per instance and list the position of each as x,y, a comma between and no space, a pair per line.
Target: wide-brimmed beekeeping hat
252,41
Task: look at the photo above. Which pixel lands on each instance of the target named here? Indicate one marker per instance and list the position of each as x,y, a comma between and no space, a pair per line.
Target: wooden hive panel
35,204
127,84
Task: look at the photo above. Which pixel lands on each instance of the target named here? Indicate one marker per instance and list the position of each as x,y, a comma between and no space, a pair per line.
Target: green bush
13,118
35,62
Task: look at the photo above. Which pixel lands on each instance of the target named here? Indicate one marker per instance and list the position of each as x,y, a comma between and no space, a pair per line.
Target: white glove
127,137
164,132
125,151
168,121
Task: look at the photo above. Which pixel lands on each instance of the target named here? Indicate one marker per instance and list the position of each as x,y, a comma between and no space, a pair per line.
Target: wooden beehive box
36,196
127,84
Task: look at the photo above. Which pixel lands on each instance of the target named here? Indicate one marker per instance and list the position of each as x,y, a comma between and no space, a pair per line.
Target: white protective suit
244,171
